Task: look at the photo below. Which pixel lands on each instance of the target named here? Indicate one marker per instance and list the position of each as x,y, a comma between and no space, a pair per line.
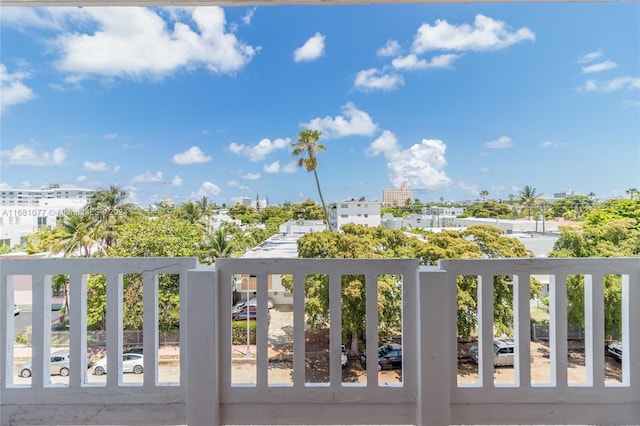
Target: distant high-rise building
397,197
564,194
24,210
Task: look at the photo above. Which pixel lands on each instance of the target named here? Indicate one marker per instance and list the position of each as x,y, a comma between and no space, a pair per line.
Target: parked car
254,302
344,359
503,353
16,310
59,364
615,351
131,363
389,356
133,350
240,314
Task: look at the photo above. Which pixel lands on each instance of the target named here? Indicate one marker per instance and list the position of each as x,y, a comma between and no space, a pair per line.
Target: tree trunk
324,207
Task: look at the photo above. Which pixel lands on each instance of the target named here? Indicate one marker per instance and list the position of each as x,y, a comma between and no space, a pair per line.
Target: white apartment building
23,211
360,212
443,211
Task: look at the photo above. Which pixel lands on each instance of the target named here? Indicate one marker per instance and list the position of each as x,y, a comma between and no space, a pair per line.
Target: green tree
141,236
612,230
306,146
357,241
632,193
528,198
488,209
484,194
308,210
245,214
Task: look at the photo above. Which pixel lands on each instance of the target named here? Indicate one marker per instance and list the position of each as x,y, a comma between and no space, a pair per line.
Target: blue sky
453,99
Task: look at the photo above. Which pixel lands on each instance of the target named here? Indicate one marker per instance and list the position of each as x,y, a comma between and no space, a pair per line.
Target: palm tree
528,198
484,194
108,210
632,193
306,146
74,233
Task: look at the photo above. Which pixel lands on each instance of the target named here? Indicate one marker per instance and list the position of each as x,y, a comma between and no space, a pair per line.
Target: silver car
131,363
503,351
59,364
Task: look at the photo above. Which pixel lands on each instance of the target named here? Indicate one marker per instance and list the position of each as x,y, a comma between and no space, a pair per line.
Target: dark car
241,313
389,356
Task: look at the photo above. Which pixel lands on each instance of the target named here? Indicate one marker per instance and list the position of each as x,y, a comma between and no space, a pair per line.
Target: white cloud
149,177
354,122
252,176
272,168
484,169
13,90
391,48
546,144
246,19
421,165
193,155
601,66
176,181
485,34
411,62
207,189
500,143
373,80
81,178
99,166
235,184
290,167
619,83
590,57
110,136
311,50
24,155
385,143
142,43
259,151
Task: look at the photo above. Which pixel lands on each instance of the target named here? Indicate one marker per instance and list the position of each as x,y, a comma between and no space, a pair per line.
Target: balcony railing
206,389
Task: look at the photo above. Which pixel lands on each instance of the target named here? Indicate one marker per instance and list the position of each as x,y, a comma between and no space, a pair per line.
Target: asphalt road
24,320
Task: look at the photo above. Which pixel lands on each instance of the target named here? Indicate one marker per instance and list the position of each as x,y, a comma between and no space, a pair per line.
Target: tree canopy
357,241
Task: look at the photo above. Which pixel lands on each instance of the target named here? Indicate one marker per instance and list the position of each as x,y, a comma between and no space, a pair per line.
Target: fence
427,393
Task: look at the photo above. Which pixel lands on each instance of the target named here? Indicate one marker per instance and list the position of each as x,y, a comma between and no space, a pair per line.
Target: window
42,221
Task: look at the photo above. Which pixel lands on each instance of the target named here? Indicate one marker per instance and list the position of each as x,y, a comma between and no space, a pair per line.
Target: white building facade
23,211
359,212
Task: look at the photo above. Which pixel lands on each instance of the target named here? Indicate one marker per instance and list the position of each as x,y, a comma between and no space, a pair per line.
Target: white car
344,359
131,363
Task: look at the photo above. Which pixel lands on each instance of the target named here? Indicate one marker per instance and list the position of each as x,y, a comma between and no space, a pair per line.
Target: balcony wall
428,391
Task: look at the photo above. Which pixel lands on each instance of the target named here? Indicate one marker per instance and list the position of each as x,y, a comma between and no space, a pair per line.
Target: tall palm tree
306,146
632,193
484,194
528,198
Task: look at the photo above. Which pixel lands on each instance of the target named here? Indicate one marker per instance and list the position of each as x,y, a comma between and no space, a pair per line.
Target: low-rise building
360,212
